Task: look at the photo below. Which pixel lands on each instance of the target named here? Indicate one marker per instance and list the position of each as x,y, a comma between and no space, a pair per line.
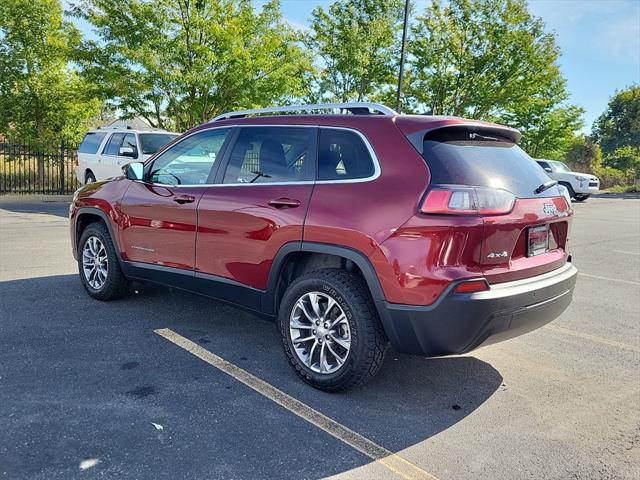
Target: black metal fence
38,167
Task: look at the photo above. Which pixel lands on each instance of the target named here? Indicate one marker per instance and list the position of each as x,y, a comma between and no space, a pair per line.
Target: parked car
354,231
104,151
580,185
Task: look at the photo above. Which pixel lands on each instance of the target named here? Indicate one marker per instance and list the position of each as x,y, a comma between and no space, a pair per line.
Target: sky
599,40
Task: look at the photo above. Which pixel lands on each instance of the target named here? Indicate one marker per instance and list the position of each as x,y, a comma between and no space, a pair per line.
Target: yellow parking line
630,282
593,338
379,454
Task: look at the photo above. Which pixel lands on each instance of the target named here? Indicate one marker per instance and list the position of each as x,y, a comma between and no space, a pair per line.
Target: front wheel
330,330
89,177
98,265
581,197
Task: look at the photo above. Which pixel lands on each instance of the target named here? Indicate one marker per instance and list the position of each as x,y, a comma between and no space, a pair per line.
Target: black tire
368,341
115,285
572,194
89,177
581,197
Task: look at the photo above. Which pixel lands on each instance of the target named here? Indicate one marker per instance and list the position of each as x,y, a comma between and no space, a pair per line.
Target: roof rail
356,108
115,127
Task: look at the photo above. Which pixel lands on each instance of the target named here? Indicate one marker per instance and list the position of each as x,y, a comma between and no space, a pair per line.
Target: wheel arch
296,258
86,216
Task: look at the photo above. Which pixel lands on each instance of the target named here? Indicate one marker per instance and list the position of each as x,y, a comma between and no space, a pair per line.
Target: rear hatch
479,170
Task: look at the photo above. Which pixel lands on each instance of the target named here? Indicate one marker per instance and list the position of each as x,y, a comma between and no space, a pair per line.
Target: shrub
625,189
625,158
584,155
610,177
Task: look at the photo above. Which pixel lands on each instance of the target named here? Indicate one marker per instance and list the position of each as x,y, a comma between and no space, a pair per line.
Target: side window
113,145
544,164
190,161
130,141
91,142
271,154
342,155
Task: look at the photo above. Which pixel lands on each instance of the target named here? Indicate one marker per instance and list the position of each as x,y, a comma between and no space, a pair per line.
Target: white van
104,151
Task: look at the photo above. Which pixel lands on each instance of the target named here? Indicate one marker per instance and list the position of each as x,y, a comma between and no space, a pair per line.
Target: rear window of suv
91,142
461,157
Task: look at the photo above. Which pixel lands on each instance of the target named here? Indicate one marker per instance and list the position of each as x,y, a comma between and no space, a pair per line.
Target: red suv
353,229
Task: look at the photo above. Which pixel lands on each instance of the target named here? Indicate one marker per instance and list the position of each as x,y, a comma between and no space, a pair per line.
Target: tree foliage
41,97
492,60
178,63
619,125
357,46
584,155
625,158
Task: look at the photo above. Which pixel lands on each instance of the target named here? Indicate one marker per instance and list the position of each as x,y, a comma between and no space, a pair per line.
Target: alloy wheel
95,263
320,332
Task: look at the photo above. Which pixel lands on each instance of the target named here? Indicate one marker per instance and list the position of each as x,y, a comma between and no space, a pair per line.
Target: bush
625,189
625,158
584,155
610,177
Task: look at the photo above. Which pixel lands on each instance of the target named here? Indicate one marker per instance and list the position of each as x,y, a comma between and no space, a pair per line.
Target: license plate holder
537,240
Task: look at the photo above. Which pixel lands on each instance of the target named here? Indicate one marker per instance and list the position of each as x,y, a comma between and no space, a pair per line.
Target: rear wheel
98,265
89,177
581,197
330,330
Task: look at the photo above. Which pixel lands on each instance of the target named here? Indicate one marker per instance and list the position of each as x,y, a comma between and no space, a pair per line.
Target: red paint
235,232
239,233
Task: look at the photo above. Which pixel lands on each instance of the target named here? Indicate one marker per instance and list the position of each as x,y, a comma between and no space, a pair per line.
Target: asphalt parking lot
92,390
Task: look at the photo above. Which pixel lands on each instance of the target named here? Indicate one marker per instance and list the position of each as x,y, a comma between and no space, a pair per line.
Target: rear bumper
459,323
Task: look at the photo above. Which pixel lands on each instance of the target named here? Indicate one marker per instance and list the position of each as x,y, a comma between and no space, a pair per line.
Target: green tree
177,63
41,97
492,60
584,155
356,43
625,158
619,125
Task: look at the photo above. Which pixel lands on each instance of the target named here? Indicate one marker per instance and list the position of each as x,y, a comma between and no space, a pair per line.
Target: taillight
453,200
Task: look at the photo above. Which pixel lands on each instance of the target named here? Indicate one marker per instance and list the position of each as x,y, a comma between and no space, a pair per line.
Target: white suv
580,185
104,151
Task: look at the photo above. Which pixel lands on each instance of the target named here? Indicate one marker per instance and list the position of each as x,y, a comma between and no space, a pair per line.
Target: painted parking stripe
593,338
379,454
629,282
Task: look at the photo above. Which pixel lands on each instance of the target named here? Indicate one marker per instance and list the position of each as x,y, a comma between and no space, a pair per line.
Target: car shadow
86,372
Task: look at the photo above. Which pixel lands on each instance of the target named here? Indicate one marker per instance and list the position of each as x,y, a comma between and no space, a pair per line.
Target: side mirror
134,170
128,152
548,170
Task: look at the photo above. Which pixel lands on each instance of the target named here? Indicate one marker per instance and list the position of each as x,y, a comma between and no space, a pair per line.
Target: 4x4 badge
549,209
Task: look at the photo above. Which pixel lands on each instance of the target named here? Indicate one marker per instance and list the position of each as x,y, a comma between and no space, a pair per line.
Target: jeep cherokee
354,227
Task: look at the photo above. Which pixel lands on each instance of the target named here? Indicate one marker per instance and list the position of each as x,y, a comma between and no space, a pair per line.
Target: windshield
455,159
559,167
152,142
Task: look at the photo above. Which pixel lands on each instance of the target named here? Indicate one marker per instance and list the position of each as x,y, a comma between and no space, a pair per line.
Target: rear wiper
475,135
546,186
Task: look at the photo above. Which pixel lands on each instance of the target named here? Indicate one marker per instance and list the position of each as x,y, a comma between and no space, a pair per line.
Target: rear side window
271,154
342,155
91,142
113,146
152,142
460,157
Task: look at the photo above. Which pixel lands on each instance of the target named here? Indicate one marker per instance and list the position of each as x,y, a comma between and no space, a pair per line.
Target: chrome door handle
284,203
